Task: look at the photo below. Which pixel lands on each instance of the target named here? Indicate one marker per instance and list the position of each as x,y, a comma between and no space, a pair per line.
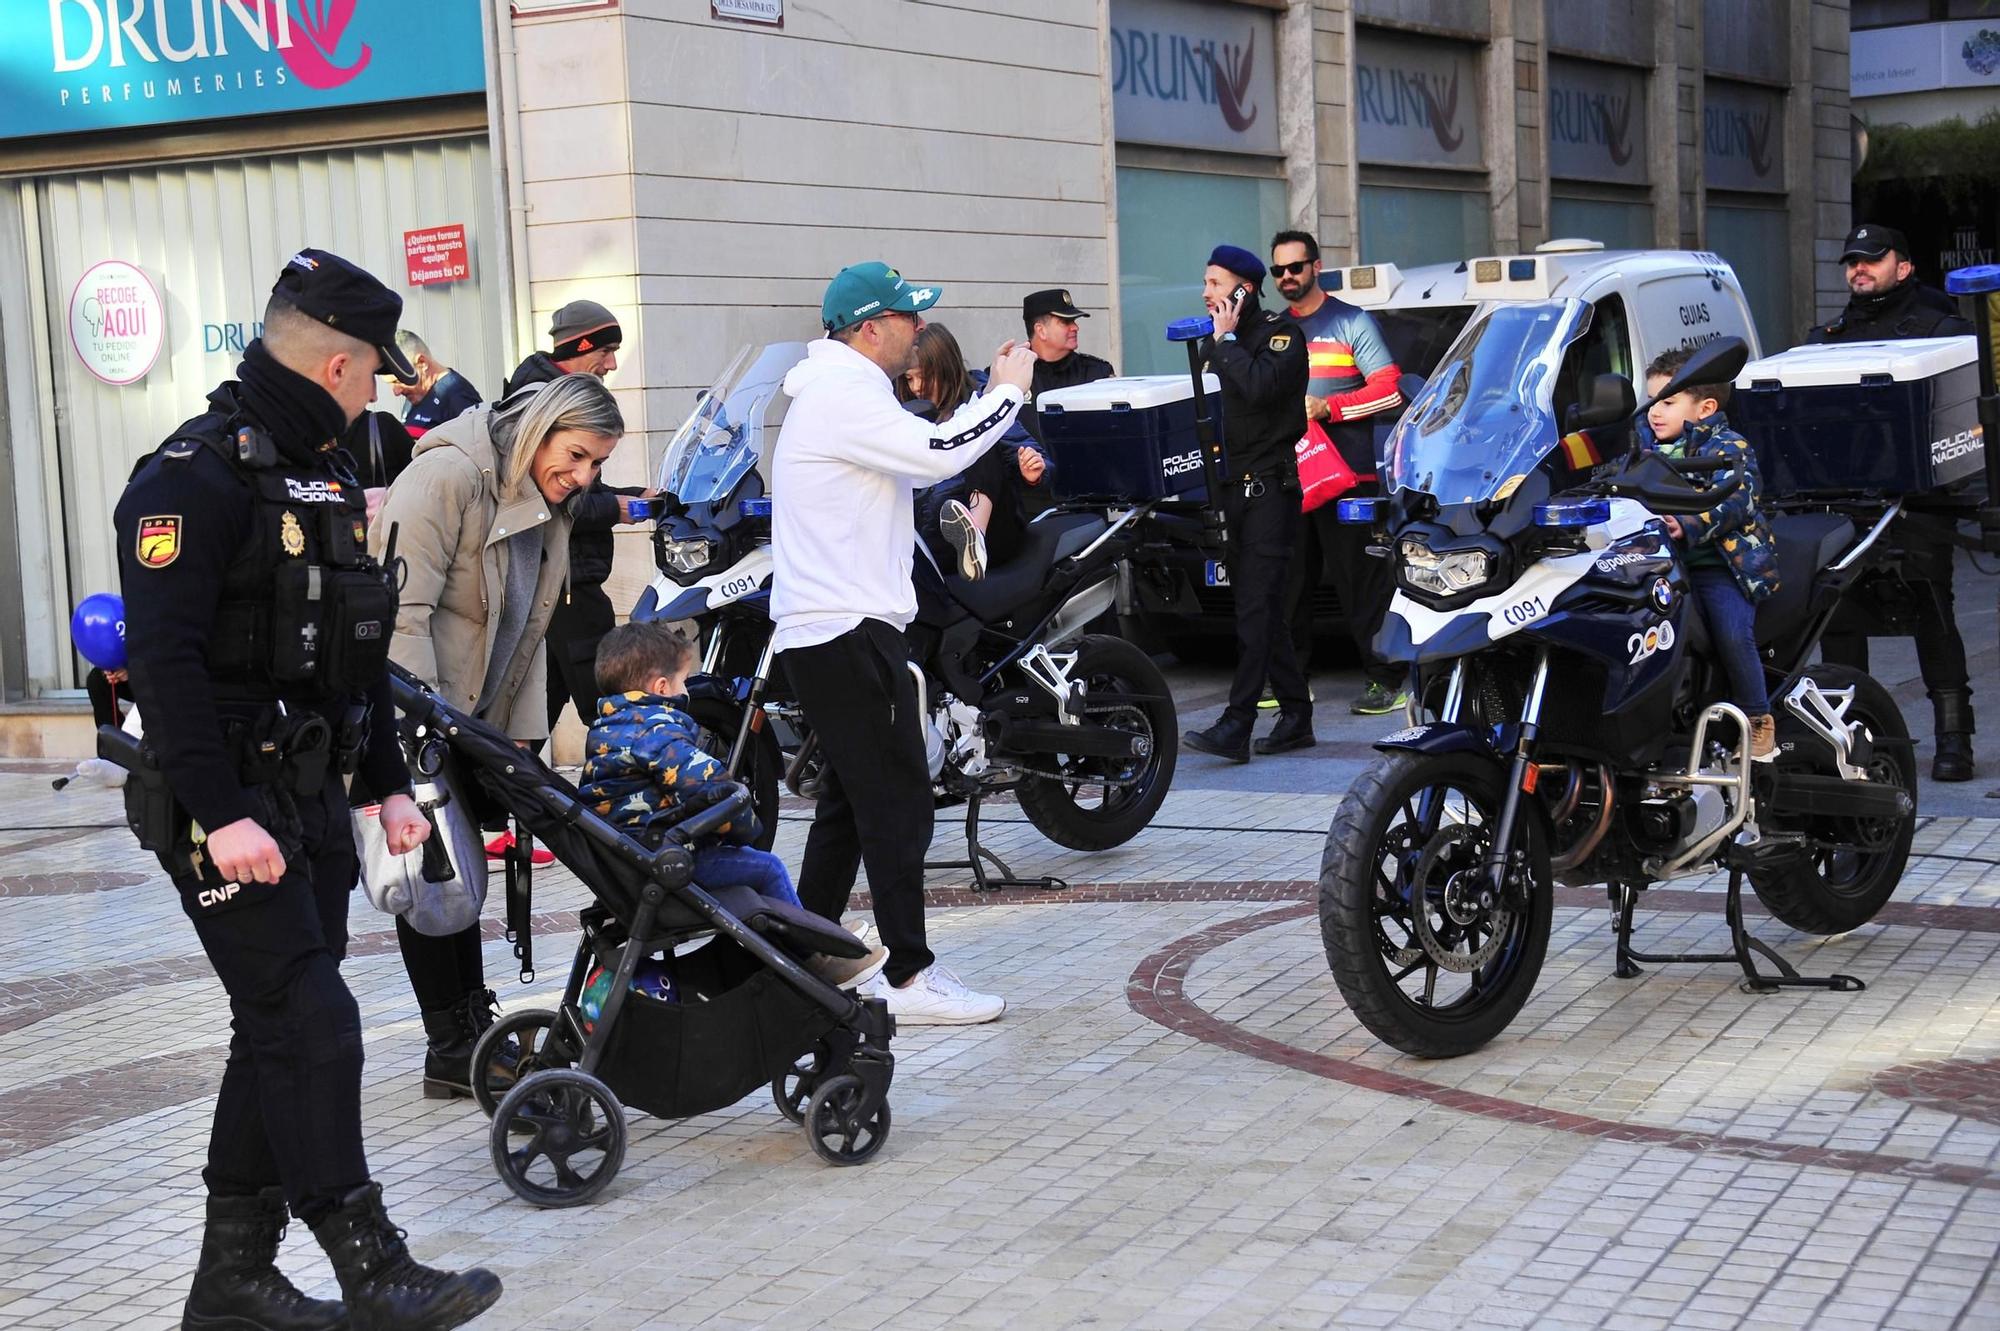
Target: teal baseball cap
862,291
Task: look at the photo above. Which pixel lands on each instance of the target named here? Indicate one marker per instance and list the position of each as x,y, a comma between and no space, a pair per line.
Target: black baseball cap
351,300
1054,301
1871,241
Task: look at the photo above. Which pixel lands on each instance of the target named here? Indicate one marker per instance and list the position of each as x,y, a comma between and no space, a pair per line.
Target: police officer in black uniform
1050,318
1889,303
258,631
1260,358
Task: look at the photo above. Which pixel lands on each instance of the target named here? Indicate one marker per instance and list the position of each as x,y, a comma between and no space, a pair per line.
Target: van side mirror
1610,402
1717,361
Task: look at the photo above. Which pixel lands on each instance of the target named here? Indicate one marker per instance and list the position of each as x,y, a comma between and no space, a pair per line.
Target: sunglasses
1288,269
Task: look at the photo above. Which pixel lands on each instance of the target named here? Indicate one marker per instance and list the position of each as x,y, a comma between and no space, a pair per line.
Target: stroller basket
750,1014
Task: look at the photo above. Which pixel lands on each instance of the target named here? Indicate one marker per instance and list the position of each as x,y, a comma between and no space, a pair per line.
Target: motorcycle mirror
1610,402
1717,361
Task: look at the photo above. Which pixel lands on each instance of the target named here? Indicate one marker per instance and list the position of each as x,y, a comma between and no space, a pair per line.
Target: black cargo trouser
1263,517
1927,566
1335,550
580,622
289,1110
875,804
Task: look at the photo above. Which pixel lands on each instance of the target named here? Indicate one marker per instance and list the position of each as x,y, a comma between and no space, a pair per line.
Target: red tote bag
1324,475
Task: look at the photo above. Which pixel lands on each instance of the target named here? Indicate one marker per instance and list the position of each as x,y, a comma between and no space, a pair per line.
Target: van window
1418,338
1604,348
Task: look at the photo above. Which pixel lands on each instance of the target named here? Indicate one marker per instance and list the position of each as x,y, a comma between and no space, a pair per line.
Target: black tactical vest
305,611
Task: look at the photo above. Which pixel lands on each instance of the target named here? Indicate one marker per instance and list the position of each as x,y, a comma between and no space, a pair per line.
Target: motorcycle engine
1673,821
952,734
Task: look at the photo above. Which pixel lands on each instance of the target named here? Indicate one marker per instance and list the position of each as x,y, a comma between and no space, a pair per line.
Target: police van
1643,302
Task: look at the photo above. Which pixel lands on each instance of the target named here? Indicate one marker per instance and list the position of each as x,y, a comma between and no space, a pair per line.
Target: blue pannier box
1127,440
1892,418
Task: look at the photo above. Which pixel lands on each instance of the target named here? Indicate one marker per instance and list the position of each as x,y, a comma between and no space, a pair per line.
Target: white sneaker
955,521
936,997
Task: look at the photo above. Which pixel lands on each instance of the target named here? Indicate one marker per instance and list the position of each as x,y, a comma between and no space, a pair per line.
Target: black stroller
749,1015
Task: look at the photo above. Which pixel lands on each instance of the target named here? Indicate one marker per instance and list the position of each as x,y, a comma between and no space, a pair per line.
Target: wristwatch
1227,337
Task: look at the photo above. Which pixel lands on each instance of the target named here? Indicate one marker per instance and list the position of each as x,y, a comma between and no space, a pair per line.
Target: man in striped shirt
1353,378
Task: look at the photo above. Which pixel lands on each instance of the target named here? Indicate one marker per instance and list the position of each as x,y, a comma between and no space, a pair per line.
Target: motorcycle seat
1046,541
1807,543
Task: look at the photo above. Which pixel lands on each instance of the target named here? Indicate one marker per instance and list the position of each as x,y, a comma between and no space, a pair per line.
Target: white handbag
440,887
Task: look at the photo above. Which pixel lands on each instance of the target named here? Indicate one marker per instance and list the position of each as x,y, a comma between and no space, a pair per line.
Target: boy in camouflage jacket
1730,556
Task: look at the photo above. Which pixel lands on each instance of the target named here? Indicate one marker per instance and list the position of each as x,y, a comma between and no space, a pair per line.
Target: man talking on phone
1260,358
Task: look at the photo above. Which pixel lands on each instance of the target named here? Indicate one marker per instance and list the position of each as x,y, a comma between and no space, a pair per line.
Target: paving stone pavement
1177,1124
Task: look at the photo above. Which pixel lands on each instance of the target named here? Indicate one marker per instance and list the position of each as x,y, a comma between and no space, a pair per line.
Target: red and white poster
116,322
436,254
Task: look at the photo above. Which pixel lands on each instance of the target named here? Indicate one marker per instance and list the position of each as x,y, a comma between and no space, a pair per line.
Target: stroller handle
714,818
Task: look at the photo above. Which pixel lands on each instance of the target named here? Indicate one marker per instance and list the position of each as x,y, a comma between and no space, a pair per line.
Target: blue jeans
759,870
1732,626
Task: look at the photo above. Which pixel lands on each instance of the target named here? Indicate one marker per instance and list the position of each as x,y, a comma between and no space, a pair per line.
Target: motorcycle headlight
691,555
1447,574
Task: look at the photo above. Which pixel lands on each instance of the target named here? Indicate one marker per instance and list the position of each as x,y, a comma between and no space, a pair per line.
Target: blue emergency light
1360,512
1974,281
755,508
1190,330
1573,513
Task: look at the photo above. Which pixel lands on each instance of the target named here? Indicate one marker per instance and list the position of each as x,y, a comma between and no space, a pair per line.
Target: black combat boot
237,1284
1293,731
386,1289
448,1053
1953,711
1227,738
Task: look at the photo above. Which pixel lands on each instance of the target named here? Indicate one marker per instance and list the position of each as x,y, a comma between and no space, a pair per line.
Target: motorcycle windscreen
1487,414
732,426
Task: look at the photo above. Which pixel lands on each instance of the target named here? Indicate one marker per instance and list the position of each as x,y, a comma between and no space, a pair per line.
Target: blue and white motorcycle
1570,723
1014,692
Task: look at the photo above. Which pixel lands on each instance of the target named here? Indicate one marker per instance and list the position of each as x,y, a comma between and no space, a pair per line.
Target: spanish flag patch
1580,451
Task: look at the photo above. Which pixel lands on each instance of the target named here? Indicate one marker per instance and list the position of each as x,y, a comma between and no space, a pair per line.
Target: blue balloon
98,630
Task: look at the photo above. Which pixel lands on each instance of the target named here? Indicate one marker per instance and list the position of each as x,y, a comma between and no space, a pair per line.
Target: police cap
1871,240
328,288
1054,301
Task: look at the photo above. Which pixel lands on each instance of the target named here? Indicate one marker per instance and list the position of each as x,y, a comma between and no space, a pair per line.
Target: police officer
1050,318
1889,303
1260,358
258,631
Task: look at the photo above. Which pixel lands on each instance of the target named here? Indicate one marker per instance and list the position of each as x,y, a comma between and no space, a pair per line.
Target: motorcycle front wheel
1090,808
1427,957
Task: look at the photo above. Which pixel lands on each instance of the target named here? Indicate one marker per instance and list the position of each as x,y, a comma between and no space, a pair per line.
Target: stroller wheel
837,1135
511,1048
792,1089
558,1137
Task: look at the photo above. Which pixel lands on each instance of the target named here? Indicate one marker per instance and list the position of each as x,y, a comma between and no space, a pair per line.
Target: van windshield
1418,338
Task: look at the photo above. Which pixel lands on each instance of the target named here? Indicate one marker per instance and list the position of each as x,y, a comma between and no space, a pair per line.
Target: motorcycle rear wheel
1447,983
1839,890
762,762
1061,810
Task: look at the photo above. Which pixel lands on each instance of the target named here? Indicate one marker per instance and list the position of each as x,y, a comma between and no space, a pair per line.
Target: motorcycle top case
1891,417
1130,440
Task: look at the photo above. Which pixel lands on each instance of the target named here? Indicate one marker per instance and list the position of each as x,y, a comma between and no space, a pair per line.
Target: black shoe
386,1288
1227,738
237,1284
1293,731
452,1034
1953,760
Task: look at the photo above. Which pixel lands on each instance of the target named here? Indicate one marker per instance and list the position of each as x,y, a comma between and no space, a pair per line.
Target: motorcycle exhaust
1809,794
1019,736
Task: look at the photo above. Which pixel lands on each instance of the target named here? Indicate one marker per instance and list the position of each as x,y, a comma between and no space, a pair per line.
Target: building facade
702,167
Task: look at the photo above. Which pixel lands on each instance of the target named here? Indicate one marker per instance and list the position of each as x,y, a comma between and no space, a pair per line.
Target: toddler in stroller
644,770
743,1009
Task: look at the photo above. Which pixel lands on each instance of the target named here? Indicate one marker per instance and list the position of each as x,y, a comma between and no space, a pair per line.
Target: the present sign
437,254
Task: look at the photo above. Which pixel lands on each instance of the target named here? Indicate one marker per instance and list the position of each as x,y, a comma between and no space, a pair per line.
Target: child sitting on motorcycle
644,769
1729,555
974,519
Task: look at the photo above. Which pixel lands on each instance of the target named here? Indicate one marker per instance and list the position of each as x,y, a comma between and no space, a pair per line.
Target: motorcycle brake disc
1458,902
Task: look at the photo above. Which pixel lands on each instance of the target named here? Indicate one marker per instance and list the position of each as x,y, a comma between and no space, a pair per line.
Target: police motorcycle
1014,693
1569,722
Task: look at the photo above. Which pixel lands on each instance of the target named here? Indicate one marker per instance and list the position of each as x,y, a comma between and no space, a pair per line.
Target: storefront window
1620,226
1416,226
1168,222
1753,240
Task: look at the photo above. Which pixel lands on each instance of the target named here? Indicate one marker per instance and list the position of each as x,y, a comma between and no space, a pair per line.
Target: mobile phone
1241,294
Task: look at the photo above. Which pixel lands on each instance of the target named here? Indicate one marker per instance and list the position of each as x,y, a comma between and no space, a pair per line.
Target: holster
151,810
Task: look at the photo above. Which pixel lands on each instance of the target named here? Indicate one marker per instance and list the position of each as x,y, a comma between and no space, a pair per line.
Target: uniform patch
313,492
1281,342
159,540
291,535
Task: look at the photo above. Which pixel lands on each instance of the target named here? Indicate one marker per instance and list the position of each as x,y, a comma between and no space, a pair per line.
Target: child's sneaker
936,997
1763,738
955,521
848,972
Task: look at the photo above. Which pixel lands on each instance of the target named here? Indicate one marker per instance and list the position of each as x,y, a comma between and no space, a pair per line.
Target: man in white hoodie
843,536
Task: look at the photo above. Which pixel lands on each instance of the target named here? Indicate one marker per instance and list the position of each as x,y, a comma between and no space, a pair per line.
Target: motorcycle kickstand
1743,949
977,855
